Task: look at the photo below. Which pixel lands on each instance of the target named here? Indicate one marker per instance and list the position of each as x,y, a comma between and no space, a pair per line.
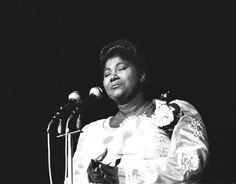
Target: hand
102,173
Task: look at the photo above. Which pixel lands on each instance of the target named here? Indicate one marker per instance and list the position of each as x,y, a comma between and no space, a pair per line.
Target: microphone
74,99
95,93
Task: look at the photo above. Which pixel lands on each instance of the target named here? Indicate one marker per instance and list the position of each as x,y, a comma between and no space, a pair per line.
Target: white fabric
147,154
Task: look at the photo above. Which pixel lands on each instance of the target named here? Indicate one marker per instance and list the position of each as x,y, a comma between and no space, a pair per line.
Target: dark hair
125,50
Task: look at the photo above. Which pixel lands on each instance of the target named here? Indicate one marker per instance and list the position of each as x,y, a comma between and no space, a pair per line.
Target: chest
135,142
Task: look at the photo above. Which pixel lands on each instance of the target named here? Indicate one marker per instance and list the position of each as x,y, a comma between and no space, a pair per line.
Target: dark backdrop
52,48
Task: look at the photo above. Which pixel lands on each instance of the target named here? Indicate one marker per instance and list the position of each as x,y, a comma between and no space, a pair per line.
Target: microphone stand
94,93
69,149
57,116
49,153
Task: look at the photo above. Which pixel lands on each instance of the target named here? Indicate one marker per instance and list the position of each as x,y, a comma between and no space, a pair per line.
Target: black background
51,48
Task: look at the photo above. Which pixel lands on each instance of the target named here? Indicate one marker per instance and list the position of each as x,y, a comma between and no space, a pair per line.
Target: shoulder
95,125
175,110
186,108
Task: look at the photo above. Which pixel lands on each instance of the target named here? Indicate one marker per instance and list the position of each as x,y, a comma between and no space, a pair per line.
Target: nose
114,77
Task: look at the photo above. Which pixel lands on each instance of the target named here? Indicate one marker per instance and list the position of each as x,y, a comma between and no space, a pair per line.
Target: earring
143,78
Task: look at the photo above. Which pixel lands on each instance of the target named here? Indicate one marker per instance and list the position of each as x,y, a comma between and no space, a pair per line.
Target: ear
143,77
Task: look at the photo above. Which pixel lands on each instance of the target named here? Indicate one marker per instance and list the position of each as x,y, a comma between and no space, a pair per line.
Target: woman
145,141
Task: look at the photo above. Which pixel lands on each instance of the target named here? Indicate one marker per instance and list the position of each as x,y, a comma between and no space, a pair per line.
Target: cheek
132,80
105,84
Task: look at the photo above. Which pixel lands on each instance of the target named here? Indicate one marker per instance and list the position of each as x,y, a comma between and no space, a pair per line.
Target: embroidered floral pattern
189,161
197,128
137,176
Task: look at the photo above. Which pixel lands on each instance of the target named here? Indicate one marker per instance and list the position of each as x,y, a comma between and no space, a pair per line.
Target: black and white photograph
118,92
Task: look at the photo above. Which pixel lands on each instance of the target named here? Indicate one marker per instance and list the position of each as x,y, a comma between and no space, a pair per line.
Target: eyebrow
117,64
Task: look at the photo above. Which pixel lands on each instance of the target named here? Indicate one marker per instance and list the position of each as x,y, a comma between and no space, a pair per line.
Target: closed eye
106,74
122,68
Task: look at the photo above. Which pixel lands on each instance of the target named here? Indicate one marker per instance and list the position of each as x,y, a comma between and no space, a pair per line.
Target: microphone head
74,95
96,91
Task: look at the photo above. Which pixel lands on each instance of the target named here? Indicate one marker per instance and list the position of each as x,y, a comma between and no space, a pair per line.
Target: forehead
114,61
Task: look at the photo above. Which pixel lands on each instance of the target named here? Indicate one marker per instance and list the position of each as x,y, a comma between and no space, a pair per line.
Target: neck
133,106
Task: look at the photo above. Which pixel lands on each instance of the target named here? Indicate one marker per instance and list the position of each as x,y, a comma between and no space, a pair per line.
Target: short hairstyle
125,50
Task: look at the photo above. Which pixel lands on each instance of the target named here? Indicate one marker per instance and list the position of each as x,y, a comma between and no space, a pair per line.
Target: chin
116,96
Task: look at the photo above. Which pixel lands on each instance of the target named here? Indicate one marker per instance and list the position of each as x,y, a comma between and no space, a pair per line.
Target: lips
114,86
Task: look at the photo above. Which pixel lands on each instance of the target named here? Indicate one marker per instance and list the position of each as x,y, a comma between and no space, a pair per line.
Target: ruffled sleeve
189,152
80,162
85,151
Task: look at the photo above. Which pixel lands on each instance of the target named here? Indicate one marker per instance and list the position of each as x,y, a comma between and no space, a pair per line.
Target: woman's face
120,79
